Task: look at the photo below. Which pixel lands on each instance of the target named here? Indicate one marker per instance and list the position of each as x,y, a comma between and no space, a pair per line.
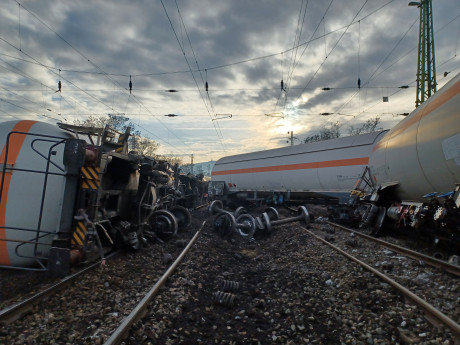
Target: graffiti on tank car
342,178
382,170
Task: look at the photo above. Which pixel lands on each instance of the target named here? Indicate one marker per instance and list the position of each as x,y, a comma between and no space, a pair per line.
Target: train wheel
183,216
215,207
376,229
225,224
272,213
265,221
246,225
239,211
164,224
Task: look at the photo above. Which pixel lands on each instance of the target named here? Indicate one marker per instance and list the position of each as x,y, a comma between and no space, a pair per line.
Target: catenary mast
426,66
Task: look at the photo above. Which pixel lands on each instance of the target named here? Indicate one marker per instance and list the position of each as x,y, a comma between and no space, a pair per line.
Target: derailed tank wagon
74,193
407,177
323,170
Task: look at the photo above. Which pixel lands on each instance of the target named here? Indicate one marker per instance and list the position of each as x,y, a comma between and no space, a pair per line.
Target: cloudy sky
242,49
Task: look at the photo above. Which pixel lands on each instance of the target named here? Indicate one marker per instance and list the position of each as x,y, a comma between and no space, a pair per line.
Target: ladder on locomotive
364,185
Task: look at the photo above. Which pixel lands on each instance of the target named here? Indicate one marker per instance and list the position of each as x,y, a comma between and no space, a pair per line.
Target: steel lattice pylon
426,67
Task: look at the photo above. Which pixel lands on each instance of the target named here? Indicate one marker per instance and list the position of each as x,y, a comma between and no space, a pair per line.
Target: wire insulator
59,82
130,85
359,83
206,85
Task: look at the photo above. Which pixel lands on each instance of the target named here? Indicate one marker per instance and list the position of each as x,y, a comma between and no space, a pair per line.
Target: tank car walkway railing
7,166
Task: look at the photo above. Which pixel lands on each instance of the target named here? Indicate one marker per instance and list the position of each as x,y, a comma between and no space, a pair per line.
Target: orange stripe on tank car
15,144
446,96
299,166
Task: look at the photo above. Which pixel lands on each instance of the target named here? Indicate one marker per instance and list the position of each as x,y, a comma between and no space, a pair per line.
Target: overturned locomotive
71,193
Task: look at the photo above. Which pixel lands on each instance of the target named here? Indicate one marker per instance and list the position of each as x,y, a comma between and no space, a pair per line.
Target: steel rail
14,312
200,206
139,311
433,313
429,260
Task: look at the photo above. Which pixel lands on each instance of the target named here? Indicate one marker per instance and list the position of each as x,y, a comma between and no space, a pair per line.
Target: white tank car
410,174
421,154
328,168
30,209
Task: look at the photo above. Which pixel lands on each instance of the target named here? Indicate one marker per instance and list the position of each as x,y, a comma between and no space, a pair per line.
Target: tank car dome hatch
36,195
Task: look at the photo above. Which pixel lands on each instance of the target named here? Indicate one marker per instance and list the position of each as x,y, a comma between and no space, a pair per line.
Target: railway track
49,317
120,333
284,295
261,262
429,260
15,311
433,315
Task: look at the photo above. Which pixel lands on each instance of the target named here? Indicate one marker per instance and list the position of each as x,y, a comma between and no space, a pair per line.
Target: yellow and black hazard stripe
90,178
78,236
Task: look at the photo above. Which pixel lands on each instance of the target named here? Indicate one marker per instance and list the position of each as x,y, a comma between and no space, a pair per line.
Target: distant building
204,168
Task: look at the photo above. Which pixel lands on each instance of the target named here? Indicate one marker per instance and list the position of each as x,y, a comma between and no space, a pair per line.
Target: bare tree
117,122
333,130
368,127
330,132
93,121
142,145
172,160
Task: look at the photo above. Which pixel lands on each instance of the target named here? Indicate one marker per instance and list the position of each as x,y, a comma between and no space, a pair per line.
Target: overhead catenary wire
391,51
332,49
56,74
118,112
359,54
198,67
287,86
209,68
375,74
205,82
458,39
296,42
194,79
26,109
311,39
25,75
223,90
182,38
5,114
84,56
19,25
29,100
366,110
376,69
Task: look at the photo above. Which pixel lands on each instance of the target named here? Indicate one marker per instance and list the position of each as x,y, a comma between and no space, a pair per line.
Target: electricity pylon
426,66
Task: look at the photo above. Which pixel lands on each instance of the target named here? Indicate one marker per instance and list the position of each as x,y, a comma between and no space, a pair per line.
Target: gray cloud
255,39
